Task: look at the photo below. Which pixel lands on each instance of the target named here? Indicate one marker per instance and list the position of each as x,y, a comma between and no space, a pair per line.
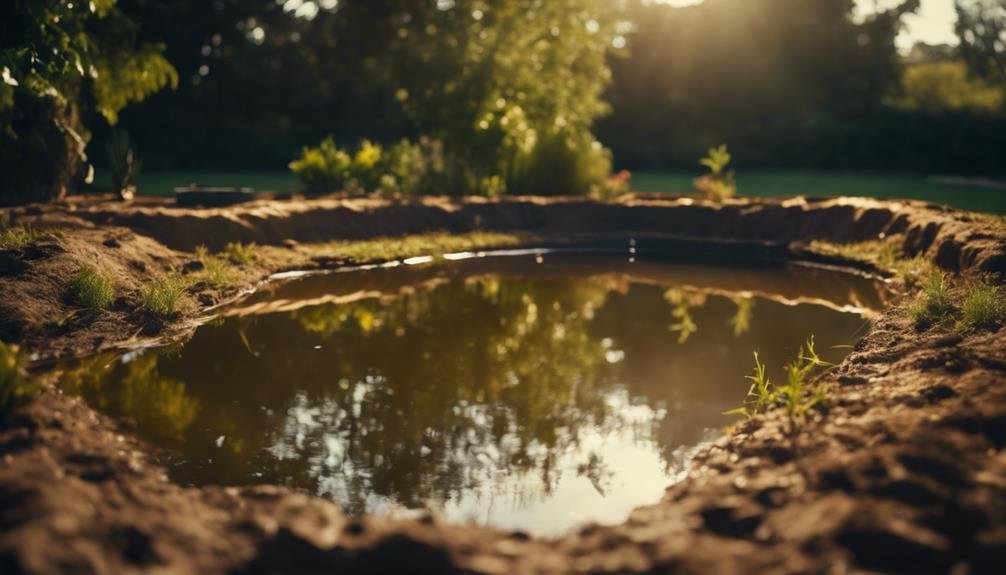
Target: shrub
562,163
92,289
718,184
15,390
162,296
984,307
323,169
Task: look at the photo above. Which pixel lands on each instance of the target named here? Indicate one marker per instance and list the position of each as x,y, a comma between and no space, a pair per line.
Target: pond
522,390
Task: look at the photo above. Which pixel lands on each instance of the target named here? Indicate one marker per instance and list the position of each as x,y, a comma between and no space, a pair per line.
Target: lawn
984,197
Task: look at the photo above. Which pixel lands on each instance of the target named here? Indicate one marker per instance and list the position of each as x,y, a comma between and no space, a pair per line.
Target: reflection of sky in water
538,398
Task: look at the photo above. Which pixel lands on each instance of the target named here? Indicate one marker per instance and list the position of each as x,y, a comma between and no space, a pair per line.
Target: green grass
15,389
384,249
217,271
934,304
823,183
17,237
882,254
984,307
240,254
92,289
163,295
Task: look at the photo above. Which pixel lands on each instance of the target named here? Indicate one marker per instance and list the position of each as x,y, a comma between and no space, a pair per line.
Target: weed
92,289
934,304
763,394
162,296
719,183
15,390
241,254
984,307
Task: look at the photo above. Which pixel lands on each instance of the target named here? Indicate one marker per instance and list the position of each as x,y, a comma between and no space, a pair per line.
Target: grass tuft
15,389
984,307
18,237
92,289
217,272
241,254
162,296
934,304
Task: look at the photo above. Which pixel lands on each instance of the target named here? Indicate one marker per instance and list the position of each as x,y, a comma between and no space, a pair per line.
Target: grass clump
240,254
792,396
984,307
163,295
18,237
92,289
217,271
15,389
934,304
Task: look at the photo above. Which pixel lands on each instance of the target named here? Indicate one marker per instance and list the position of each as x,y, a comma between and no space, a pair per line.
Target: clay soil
903,471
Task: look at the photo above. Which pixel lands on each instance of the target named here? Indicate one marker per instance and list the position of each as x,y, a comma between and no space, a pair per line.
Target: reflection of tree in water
525,381
139,392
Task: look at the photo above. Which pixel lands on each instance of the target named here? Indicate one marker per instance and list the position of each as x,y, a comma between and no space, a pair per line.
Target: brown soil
905,471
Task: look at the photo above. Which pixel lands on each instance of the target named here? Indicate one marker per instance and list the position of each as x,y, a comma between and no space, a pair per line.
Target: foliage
163,295
718,184
939,86
18,237
934,305
55,58
981,29
15,389
92,288
984,307
123,161
792,396
405,168
241,254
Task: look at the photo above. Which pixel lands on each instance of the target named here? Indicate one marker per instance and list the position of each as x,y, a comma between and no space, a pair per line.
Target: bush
15,390
718,184
92,289
162,296
563,163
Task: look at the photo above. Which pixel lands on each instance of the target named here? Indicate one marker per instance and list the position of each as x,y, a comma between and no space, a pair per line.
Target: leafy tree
57,61
981,28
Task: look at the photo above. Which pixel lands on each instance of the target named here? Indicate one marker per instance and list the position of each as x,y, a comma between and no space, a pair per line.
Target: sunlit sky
934,23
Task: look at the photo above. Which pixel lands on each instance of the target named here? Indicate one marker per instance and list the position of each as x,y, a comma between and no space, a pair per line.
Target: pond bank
904,470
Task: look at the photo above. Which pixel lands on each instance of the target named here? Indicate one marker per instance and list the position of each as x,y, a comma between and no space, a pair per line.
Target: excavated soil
904,471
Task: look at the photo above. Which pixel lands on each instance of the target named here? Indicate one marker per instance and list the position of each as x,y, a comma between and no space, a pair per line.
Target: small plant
124,164
763,394
15,389
216,270
18,237
162,296
934,304
92,289
984,307
719,183
241,254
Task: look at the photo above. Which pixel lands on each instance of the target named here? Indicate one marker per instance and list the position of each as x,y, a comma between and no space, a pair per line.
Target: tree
60,61
981,28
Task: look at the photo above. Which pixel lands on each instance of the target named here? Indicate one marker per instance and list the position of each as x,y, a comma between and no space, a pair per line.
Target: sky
934,23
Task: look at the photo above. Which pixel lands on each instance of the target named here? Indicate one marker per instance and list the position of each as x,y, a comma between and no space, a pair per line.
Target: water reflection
534,397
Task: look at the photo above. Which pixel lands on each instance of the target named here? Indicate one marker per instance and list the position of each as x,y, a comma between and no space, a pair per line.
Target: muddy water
526,392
